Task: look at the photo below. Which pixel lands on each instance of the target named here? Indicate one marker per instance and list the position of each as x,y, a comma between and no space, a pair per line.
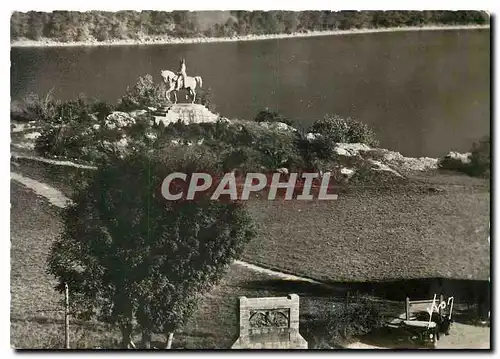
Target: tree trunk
126,330
169,340
146,339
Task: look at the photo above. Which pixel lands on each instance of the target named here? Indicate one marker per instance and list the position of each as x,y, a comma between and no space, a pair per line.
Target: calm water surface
425,93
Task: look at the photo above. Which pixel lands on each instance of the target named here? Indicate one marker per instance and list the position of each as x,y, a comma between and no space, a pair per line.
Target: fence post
407,308
66,316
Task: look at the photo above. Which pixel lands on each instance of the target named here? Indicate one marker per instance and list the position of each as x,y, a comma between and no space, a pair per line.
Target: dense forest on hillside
67,26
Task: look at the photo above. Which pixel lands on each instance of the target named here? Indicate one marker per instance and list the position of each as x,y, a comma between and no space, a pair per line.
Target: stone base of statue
186,112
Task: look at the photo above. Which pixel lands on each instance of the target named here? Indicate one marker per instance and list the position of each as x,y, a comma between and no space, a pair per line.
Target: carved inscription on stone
277,318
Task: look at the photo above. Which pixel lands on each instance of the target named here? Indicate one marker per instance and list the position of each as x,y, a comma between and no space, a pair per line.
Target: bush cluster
267,115
479,160
351,321
145,93
480,164
336,129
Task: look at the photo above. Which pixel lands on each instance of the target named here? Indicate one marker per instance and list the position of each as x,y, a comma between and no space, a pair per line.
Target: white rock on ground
138,112
379,166
119,119
350,149
25,145
409,163
32,135
278,125
457,156
419,164
391,158
312,136
348,172
123,143
19,127
282,170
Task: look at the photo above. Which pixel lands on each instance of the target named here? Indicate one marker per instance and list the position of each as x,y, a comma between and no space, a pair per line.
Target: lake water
425,93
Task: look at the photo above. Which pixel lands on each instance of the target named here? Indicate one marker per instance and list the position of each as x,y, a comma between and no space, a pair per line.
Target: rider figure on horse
181,74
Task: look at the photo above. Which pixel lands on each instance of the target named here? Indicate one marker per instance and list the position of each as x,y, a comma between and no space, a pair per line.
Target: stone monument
270,323
187,113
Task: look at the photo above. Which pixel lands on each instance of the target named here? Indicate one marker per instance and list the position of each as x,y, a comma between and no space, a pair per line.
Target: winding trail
55,197
16,156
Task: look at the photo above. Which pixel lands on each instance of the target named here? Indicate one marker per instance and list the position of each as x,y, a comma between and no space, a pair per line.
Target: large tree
135,260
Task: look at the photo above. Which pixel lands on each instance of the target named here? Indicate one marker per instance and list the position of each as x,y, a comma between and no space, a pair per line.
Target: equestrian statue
180,81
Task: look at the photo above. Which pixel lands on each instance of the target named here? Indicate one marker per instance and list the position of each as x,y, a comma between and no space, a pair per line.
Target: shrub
271,116
344,130
64,128
348,322
455,161
102,109
145,93
34,108
70,130
480,158
476,163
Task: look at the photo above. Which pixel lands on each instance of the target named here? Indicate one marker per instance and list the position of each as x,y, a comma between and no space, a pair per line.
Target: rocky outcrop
350,149
384,159
463,158
119,119
396,159
280,126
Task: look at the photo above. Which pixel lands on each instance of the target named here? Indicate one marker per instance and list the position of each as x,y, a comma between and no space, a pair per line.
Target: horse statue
170,79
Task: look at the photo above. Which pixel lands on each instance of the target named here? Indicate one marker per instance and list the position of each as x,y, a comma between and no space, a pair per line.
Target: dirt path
462,336
54,196
359,345
281,275
465,336
15,155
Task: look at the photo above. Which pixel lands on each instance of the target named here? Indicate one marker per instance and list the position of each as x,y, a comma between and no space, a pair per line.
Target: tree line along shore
94,27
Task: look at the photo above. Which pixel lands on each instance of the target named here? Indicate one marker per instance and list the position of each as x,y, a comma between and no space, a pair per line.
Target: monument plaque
270,323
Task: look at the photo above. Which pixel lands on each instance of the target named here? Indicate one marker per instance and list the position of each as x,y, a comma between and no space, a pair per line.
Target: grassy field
433,227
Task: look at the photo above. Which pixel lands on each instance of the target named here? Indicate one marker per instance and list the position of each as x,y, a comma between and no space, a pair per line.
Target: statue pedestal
187,113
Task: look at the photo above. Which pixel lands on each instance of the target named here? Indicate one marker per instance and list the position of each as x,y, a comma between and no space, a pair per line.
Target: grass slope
369,234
